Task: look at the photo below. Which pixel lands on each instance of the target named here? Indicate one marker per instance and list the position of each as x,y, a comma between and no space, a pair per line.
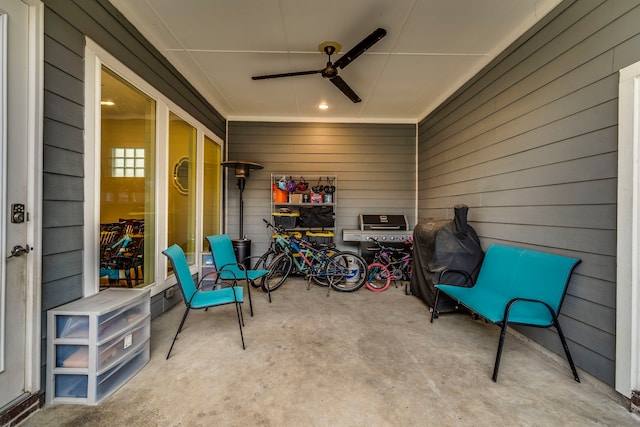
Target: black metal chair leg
268,288
240,322
496,367
241,314
184,317
434,312
566,350
249,285
127,278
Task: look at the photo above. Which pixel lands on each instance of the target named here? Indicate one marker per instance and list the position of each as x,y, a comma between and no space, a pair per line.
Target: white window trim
627,376
95,58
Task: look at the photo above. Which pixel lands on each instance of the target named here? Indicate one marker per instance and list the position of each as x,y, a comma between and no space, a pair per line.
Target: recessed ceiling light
323,106
109,103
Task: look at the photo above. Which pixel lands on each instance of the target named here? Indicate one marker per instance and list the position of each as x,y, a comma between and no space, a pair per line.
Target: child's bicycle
324,265
389,264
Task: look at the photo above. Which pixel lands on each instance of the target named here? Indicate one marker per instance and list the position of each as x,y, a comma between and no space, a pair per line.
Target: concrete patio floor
359,359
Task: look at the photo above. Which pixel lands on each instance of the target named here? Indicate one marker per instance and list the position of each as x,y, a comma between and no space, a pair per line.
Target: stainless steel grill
388,229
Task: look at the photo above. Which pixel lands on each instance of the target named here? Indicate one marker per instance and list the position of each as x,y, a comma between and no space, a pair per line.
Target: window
127,199
212,190
152,177
181,225
128,162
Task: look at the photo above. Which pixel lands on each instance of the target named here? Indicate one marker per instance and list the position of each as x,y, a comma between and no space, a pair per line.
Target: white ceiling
432,47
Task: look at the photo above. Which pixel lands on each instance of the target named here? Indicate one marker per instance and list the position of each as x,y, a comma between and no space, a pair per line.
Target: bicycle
279,265
389,264
343,271
280,244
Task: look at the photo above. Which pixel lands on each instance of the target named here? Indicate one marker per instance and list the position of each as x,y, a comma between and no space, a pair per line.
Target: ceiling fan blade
275,76
344,87
360,48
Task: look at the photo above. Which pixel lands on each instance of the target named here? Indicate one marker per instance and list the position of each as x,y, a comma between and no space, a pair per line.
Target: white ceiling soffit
432,47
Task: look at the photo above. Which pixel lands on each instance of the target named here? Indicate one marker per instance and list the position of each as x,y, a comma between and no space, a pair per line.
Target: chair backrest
222,251
543,276
181,270
526,273
133,226
499,268
132,253
112,240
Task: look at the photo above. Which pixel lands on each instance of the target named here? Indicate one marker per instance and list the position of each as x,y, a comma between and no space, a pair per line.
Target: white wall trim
35,116
4,120
346,120
627,376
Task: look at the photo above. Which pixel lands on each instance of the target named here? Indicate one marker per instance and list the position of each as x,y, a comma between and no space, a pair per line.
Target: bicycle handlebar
278,228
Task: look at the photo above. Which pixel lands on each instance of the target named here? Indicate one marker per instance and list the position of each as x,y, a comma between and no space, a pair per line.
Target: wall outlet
168,293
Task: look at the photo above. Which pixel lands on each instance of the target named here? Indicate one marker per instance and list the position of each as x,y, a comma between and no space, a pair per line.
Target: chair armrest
240,267
467,276
224,268
249,257
515,300
211,273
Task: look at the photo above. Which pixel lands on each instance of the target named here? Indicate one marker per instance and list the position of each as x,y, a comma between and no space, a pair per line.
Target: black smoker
440,245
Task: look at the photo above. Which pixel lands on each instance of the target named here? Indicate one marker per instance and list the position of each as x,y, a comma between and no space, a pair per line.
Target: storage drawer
72,327
116,321
115,377
71,385
119,347
72,356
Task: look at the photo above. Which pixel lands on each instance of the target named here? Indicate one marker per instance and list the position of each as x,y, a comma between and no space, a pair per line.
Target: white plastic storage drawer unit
94,345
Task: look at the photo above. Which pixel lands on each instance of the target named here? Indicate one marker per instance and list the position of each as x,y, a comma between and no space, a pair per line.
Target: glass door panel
212,189
127,183
181,212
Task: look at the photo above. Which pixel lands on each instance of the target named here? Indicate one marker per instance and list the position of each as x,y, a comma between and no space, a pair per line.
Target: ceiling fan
331,70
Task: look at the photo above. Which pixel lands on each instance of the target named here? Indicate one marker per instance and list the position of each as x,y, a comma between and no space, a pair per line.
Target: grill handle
385,227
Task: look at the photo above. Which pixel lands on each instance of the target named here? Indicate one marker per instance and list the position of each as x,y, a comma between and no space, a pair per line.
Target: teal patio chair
195,298
228,266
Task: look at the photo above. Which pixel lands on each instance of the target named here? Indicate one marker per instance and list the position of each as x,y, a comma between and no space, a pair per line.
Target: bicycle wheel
264,260
262,263
346,271
378,278
279,270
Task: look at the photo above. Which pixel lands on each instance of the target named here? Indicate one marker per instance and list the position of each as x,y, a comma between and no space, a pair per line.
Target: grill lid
383,222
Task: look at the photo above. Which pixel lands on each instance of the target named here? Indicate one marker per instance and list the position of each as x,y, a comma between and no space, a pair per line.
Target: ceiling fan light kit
331,70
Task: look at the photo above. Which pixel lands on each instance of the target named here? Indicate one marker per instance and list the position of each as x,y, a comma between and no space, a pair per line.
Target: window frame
95,58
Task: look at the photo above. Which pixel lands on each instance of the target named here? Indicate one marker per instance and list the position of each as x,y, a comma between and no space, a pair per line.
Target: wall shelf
303,201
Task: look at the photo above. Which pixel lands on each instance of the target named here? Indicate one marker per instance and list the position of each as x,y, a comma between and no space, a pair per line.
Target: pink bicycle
389,264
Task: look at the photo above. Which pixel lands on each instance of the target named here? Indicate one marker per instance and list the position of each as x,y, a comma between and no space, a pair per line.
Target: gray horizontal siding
63,135
530,144
101,22
374,164
62,213
66,25
63,163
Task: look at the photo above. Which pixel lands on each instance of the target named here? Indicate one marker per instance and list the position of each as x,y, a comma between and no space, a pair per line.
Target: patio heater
242,169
